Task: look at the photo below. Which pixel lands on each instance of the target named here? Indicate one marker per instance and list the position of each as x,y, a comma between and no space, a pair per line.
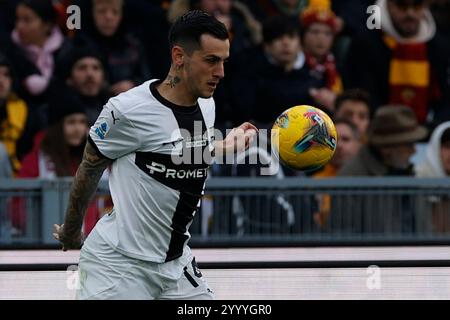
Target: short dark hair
278,26
188,29
353,95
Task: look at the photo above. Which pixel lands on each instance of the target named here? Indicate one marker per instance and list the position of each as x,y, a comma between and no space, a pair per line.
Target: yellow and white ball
304,138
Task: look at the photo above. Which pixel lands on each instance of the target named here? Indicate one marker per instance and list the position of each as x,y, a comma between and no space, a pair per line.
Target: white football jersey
161,154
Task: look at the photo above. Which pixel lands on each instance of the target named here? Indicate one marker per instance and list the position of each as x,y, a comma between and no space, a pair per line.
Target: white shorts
107,274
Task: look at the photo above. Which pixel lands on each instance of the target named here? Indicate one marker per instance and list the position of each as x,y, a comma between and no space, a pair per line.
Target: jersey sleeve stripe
92,142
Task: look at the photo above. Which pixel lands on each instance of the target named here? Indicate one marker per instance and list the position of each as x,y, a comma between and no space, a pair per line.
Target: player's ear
178,54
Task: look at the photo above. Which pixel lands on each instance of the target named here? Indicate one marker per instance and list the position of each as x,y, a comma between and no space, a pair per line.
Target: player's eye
212,60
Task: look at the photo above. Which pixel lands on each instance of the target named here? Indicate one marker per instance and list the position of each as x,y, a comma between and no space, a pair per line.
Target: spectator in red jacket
57,153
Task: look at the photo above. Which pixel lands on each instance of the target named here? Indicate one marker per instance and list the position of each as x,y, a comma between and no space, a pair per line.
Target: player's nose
219,71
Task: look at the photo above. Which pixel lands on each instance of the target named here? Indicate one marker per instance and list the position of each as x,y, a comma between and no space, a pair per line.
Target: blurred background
385,83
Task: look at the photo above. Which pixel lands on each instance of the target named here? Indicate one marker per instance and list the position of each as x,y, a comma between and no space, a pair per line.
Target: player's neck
175,90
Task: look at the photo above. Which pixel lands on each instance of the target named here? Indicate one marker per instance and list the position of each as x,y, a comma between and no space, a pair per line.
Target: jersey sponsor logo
196,141
156,167
194,149
102,130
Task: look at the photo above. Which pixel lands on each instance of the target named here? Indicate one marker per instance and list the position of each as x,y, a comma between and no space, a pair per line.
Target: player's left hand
240,138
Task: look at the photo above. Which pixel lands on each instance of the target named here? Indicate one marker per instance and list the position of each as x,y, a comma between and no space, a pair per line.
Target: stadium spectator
57,152
348,146
391,138
437,165
406,62
124,56
354,105
85,82
34,49
437,160
13,114
319,27
269,79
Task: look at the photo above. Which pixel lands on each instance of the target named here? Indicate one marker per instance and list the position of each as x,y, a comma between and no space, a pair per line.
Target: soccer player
139,250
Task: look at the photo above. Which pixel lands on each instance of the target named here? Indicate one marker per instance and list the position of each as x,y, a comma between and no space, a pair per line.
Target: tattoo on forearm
84,185
172,81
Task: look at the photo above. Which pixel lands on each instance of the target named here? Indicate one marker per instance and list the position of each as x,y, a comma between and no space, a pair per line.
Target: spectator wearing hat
123,54
437,165
319,27
393,133
13,114
84,82
36,43
406,62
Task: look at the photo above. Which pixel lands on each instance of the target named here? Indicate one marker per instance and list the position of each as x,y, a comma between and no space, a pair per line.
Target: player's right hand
67,242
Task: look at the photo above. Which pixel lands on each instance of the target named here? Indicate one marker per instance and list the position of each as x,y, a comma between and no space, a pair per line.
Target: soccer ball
304,138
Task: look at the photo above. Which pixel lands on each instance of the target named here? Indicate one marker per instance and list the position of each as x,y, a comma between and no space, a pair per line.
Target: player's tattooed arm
172,81
83,189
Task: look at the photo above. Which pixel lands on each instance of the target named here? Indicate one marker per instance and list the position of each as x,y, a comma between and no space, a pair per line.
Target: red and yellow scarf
328,68
411,80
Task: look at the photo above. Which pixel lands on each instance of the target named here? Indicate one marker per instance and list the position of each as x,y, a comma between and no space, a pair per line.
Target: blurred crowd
380,74
383,76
